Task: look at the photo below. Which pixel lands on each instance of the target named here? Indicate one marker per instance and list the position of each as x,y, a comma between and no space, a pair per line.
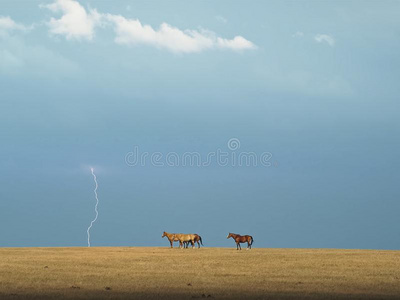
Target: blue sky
314,84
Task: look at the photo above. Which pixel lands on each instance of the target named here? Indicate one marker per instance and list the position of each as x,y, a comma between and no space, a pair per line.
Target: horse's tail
252,240
201,241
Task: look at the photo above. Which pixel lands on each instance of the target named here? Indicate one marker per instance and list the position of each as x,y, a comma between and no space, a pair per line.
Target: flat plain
214,273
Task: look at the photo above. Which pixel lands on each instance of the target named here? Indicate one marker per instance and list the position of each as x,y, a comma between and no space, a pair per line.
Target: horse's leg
193,244
237,246
240,247
248,245
172,244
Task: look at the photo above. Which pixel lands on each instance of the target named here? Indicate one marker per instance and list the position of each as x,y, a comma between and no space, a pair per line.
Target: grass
220,273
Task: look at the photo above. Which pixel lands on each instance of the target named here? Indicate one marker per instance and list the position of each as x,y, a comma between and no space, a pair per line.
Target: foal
241,239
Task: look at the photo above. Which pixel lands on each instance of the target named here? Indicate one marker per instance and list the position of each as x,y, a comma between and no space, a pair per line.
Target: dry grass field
220,273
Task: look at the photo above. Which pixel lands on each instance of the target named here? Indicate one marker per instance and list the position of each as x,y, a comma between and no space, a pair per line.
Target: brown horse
171,237
197,240
241,239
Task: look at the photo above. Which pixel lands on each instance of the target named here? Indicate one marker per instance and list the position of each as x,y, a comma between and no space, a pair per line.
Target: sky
278,119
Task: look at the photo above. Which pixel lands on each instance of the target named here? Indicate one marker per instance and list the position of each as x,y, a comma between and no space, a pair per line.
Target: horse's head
164,234
229,235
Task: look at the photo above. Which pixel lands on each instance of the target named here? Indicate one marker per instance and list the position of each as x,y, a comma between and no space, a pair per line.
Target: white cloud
75,23
237,43
19,57
9,61
320,38
221,19
7,25
78,23
298,34
132,32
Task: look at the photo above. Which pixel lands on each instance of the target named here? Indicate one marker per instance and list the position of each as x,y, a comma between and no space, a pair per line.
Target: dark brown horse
241,239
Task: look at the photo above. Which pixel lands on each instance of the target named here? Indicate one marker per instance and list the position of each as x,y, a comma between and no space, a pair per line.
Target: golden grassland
220,273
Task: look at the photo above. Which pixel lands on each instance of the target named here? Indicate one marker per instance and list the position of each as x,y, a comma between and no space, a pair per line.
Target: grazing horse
185,238
241,239
171,237
197,240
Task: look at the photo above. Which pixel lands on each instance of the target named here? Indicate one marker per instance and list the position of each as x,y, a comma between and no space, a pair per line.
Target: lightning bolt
95,208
